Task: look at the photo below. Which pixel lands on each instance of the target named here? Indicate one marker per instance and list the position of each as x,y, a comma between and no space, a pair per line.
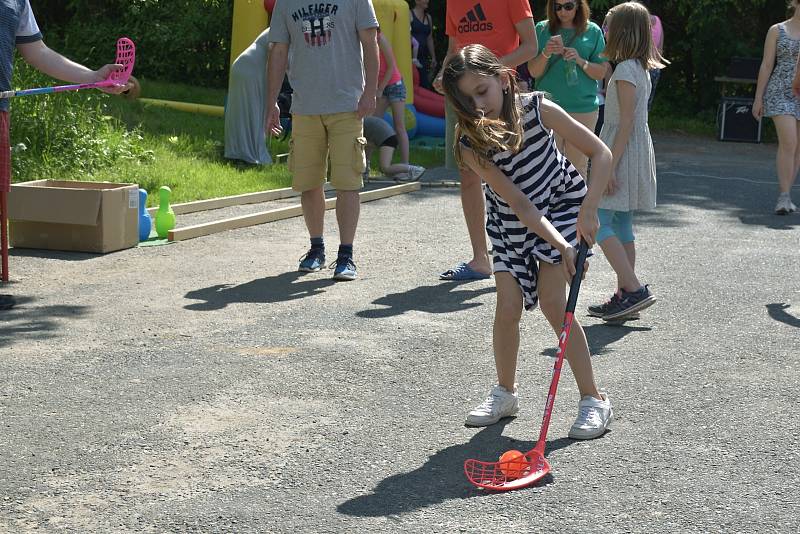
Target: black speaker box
736,122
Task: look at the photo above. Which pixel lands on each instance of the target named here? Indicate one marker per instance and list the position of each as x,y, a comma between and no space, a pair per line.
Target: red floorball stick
518,472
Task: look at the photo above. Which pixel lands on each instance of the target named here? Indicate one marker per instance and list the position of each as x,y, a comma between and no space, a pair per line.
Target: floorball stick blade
506,476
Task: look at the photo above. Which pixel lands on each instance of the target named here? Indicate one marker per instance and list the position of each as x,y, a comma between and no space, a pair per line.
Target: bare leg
387,167
786,127
630,251
399,116
617,257
474,206
313,202
381,103
574,155
505,334
348,208
553,302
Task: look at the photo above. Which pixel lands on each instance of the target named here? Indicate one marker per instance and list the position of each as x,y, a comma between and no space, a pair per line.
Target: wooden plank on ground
235,200
198,230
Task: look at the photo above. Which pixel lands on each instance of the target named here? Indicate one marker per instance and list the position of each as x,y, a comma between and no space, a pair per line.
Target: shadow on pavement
52,254
442,477
601,335
776,311
751,201
281,288
25,321
445,297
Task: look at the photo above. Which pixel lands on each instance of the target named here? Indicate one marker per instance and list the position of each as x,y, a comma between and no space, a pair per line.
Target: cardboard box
79,216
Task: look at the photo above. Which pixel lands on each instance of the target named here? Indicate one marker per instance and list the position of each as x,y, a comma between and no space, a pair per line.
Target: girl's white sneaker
498,404
594,417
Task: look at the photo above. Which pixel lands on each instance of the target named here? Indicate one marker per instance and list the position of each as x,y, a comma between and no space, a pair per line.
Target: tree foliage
176,40
183,40
701,36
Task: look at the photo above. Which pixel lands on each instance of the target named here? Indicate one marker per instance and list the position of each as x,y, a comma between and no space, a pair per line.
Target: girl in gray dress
245,136
774,99
630,45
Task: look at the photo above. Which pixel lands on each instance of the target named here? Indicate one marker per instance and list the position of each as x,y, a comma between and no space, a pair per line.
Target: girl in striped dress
538,207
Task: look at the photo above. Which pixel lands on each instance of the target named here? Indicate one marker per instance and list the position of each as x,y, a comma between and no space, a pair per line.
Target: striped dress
551,183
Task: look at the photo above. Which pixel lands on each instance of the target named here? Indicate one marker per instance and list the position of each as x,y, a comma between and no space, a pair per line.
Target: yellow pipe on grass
205,109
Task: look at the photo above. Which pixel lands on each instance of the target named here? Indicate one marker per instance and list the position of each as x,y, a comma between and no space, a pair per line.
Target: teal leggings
615,223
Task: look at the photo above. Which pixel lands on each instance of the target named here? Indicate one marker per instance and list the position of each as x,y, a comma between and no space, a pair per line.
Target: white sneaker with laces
413,174
784,204
594,417
498,404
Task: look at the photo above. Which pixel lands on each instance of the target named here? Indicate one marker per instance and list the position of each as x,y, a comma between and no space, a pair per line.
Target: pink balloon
269,5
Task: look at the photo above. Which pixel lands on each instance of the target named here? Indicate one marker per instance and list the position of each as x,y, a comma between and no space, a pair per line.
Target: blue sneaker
345,268
313,260
628,303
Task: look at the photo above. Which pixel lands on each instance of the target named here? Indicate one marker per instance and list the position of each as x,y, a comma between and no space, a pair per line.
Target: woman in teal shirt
569,66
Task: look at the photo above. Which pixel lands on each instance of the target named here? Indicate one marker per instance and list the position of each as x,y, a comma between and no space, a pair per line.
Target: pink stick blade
126,56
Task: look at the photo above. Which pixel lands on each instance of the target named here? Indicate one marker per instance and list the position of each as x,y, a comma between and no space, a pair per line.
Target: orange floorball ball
513,464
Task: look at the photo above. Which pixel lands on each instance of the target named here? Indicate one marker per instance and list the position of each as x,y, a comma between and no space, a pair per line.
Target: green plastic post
165,217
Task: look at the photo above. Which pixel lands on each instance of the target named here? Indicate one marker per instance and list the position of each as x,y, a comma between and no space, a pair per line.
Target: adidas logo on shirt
474,21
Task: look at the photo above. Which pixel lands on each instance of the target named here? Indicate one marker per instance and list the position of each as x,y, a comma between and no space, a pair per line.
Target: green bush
176,40
58,135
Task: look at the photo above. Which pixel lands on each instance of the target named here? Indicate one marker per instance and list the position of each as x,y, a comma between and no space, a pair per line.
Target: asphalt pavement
206,386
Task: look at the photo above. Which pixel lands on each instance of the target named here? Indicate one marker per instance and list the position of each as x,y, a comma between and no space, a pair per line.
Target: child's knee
508,310
552,306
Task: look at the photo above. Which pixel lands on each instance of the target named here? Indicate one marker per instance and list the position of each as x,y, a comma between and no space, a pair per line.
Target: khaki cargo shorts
315,138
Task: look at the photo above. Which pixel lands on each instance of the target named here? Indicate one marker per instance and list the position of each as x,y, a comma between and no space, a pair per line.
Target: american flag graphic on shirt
317,22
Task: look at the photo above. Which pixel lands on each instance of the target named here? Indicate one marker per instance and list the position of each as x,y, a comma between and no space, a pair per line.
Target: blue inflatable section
411,120
428,126
419,124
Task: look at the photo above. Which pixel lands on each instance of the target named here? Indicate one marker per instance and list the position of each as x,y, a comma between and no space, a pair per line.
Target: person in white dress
625,131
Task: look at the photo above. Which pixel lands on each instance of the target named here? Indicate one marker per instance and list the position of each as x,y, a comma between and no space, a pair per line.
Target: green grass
188,149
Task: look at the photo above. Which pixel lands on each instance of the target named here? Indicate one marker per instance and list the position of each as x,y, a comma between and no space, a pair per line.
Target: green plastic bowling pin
165,217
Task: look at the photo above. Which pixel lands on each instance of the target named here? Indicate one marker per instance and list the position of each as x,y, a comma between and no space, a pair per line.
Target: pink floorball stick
126,54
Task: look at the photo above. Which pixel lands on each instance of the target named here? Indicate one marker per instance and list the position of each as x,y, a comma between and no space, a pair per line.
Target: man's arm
528,46
451,49
39,56
369,44
276,70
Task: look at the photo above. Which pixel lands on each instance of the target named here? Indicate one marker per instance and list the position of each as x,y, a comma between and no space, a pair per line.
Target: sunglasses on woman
569,6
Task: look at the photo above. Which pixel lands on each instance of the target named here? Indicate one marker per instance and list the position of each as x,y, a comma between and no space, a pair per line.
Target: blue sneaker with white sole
313,260
344,268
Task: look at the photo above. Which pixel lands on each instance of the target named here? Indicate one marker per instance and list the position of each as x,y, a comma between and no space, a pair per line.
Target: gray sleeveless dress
778,97
245,137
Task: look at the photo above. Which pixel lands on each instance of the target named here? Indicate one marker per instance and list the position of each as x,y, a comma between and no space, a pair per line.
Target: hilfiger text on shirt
315,10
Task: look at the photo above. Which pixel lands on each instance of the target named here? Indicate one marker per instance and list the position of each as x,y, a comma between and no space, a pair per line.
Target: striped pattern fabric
551,183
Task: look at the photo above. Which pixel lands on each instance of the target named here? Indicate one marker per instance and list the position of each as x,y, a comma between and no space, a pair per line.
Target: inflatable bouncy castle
424,109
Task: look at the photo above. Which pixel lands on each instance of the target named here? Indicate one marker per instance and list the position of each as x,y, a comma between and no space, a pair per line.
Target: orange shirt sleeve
520,10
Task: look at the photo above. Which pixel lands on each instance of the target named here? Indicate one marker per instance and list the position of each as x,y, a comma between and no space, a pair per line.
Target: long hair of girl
483,134
630,36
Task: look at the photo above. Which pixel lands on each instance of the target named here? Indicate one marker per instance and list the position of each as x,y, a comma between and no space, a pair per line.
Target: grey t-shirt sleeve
27,30
278,28
365,15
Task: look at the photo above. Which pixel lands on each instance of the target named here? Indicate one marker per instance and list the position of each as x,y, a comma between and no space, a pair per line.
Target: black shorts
390,142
